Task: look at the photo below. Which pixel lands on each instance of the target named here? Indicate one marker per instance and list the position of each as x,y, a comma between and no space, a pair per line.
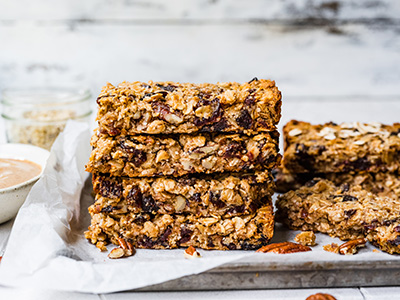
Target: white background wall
310,47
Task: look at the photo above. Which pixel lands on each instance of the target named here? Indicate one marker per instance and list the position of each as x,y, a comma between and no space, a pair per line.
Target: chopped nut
334,248
351,247
122,243
161,155
209,162
295,132
191,252
321,296
208,149
187,164
157,126
284,248
116,253
121,252
306,238
180,204
173,119
203,111
101,245
376,251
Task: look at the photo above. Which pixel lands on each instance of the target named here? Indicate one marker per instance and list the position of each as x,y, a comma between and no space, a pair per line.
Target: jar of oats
37,115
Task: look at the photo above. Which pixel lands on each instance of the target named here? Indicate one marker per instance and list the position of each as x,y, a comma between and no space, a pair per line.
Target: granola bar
385,184
346,212
171,107
224,194
177,155
166,231
385,236
348,147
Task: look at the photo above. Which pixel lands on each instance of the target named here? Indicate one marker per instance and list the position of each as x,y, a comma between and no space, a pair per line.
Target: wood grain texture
310,47
313,61
186,11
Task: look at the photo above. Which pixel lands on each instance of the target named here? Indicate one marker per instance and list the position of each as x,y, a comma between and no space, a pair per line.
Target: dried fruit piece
284,248
191,252
306,238
321,296
351,247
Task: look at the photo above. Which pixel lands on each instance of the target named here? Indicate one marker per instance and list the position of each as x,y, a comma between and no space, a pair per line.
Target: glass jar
37,115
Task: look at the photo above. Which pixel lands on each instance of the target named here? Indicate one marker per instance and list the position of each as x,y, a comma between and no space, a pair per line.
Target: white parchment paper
47,249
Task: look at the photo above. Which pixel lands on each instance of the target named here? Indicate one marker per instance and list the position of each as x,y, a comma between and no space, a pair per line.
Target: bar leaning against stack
342,180
178,165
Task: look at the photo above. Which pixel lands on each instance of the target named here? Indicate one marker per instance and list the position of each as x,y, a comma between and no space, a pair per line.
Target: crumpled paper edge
45,225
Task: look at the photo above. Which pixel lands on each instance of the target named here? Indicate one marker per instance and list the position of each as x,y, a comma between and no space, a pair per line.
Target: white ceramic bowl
12,198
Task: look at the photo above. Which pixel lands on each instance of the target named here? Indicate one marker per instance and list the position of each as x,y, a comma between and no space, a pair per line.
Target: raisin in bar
225,194
346,212
348,147
165,231
378,183
171,107
177,155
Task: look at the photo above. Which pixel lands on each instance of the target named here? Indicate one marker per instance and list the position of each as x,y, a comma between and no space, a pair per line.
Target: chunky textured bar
164,231
225,194
146,155
171,107
386,184
347,147
386,236
346,212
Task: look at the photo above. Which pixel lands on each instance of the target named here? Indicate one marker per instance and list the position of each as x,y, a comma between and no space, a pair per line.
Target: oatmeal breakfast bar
177,155
224,194
346,212
385,236
382,183
347,147
166,231
171,107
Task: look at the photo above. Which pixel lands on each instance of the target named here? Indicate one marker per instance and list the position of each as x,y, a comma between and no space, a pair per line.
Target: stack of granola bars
178,165
344,181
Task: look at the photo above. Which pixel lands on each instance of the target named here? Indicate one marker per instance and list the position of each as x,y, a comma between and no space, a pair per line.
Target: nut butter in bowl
20,167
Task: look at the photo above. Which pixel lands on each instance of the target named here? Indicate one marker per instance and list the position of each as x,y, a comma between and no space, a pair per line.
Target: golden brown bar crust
346,212
348,147
177,155
224,194
164,231
384,184
170,107
386,237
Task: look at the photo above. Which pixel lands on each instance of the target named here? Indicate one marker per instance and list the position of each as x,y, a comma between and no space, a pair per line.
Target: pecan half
125,249
351,247
321,296
284,248
116,253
